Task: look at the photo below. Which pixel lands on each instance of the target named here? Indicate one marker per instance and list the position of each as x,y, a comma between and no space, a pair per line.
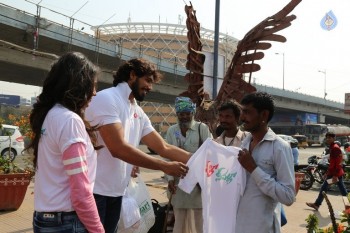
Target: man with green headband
187,134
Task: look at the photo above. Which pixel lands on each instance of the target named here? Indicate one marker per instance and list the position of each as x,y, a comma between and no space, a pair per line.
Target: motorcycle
314,171
317,167
308,179
321,166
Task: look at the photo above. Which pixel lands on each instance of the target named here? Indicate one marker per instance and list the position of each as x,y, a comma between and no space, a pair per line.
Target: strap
165,224
200,141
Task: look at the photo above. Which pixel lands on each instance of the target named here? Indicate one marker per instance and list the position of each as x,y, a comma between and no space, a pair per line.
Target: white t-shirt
61,128
110,106
222,179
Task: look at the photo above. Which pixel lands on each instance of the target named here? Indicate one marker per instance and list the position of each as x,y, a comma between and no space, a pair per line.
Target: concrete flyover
18,56
25,66
21,63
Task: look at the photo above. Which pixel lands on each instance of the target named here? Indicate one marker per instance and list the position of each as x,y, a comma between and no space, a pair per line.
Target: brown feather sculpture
248,50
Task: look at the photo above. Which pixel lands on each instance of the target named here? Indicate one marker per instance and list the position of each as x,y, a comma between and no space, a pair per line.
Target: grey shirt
271,182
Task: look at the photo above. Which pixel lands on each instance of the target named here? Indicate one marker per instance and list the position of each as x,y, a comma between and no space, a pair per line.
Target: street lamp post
325,78
216,47
283,67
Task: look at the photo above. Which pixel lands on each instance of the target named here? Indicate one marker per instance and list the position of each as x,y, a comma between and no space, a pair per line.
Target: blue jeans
283,217
324,187
57,222
109,210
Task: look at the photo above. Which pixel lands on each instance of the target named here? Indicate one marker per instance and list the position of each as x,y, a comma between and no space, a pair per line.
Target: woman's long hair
70,82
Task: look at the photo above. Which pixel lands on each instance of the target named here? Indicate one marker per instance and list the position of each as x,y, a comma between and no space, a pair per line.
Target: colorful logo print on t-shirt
221,173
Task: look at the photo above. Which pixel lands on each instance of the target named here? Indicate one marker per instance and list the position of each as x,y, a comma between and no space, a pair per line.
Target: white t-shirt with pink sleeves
61,129
222,179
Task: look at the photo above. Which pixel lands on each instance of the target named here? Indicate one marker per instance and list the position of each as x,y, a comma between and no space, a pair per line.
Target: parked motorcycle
314,171
308,179
321,166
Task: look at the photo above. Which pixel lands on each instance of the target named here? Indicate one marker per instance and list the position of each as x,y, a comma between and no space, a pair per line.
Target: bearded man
122,124
187,134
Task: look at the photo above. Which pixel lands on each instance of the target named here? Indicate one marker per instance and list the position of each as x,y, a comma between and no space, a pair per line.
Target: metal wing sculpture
195,59
248,50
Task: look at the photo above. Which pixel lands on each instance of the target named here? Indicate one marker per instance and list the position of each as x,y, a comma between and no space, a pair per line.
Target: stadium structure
163,40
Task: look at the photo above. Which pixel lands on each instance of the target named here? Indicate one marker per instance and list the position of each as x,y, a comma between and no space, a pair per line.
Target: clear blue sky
308,49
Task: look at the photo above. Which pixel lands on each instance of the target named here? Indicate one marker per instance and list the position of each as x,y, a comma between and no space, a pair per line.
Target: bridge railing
298,96
75,32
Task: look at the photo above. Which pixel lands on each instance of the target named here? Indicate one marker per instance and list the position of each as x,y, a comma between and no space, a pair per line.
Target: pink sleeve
75,164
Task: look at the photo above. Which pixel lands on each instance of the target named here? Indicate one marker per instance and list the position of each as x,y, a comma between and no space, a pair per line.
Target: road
23,160
303,154
309,151
296,214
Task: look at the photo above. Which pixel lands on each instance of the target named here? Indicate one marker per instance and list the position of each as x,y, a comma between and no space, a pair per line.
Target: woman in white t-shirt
64,149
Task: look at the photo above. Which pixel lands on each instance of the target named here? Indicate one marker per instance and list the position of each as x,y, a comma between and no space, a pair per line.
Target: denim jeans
109,210
58,222
324,187
283,217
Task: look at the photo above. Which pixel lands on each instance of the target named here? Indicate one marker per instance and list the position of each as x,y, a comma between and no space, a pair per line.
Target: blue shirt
271,182
295,153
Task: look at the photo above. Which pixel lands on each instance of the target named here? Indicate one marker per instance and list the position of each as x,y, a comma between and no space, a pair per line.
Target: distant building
162,40
10,100
25,102
33,100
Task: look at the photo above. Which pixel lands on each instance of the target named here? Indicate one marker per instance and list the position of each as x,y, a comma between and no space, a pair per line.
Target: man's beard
252,128
135,91
185,124
225,126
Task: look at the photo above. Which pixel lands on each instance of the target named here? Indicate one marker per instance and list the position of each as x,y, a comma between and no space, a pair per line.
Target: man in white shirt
268,161
121,125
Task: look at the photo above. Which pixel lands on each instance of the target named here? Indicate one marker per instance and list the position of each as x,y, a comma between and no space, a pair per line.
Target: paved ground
20,221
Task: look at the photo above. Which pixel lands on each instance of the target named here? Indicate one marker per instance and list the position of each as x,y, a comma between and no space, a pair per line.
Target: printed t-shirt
222,179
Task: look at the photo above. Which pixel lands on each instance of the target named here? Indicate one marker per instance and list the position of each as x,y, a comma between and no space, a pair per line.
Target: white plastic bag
138,191
130,215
